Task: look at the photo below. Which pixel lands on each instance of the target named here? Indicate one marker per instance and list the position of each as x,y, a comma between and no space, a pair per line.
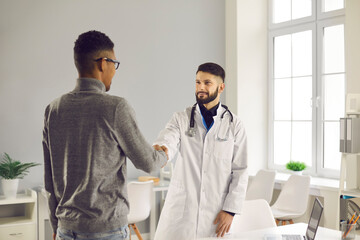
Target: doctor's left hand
224,221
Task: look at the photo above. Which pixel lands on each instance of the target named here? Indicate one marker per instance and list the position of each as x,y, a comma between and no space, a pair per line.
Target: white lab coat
210,175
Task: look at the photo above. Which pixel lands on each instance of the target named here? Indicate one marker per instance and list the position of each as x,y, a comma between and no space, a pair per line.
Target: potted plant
296,167
10,172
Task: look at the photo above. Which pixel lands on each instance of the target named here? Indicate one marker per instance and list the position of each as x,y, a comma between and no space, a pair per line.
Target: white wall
352,46
159,43
246,64
352,59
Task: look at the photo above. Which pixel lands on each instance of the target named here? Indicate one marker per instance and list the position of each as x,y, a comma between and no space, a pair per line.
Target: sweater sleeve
133,143
48,179
170,136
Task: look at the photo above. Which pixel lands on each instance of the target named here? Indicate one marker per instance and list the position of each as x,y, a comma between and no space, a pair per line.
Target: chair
261,186
139,195
256,214
293,199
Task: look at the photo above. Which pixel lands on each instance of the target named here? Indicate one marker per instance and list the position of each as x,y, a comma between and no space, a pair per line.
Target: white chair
139,195
256,214
293,199
261,186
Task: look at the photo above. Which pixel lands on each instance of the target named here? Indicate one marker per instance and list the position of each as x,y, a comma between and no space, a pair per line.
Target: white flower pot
297,172
10,187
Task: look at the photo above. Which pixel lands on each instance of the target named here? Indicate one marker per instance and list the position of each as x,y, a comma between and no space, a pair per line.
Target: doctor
210,178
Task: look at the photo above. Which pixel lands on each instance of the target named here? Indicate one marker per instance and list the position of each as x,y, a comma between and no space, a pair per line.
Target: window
286,10
307,83
331,5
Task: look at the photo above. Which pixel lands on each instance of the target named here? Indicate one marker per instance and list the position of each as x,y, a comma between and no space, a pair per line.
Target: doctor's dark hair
212,68
88,46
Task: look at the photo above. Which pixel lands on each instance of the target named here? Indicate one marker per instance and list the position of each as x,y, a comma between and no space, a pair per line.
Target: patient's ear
102,65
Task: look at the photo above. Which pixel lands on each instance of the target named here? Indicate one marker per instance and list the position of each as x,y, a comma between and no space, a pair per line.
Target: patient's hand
162,148
224,221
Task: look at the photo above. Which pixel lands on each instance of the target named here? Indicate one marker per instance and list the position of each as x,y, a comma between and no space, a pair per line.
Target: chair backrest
261,186
255,214
294,194
139,195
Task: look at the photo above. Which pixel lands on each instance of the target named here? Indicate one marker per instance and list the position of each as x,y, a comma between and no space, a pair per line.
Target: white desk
161,186
298,228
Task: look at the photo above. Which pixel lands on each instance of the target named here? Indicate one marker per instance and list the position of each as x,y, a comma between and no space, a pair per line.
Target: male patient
86,138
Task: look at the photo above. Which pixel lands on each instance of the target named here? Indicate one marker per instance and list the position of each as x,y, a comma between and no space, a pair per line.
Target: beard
205,100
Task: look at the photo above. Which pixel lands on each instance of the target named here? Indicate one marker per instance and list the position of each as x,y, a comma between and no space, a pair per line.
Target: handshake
162,148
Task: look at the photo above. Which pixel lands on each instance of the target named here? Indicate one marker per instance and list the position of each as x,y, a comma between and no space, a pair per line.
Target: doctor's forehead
203,76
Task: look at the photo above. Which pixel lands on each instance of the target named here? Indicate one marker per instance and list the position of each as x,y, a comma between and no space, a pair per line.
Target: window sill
317,184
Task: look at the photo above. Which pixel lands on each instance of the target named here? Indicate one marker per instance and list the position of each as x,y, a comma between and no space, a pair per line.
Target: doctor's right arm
170,136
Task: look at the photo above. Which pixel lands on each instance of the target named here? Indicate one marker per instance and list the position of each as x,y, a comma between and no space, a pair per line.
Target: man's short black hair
88,46
212,68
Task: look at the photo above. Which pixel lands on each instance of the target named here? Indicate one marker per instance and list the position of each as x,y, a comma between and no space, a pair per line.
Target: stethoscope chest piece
191,132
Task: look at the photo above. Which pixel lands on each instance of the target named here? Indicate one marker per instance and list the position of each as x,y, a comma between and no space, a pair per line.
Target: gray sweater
86,138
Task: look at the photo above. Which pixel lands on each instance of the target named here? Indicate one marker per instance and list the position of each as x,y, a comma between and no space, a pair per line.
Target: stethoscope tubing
191,131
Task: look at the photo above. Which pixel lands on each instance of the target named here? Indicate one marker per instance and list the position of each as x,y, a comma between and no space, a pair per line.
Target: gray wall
159,43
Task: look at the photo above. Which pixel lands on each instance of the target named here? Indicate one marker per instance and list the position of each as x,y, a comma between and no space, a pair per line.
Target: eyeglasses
116,63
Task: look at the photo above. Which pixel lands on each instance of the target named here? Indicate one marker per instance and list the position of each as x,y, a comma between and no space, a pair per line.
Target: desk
161,186
298,228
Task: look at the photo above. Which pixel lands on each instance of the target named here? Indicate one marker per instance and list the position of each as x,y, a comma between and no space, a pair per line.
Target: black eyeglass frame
116,63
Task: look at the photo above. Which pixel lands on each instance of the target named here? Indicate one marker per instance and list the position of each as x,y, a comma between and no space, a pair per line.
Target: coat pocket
224,149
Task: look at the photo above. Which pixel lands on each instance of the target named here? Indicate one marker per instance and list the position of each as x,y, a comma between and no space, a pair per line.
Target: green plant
295,166
12,169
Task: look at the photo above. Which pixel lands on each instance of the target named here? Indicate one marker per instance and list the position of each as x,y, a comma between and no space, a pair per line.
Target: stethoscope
192,132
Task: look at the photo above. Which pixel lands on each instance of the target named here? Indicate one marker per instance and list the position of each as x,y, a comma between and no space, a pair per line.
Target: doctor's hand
224,221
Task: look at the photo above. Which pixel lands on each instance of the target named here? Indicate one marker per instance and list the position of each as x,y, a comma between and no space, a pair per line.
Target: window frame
326,15
272,35
316,23
321,24
291,23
